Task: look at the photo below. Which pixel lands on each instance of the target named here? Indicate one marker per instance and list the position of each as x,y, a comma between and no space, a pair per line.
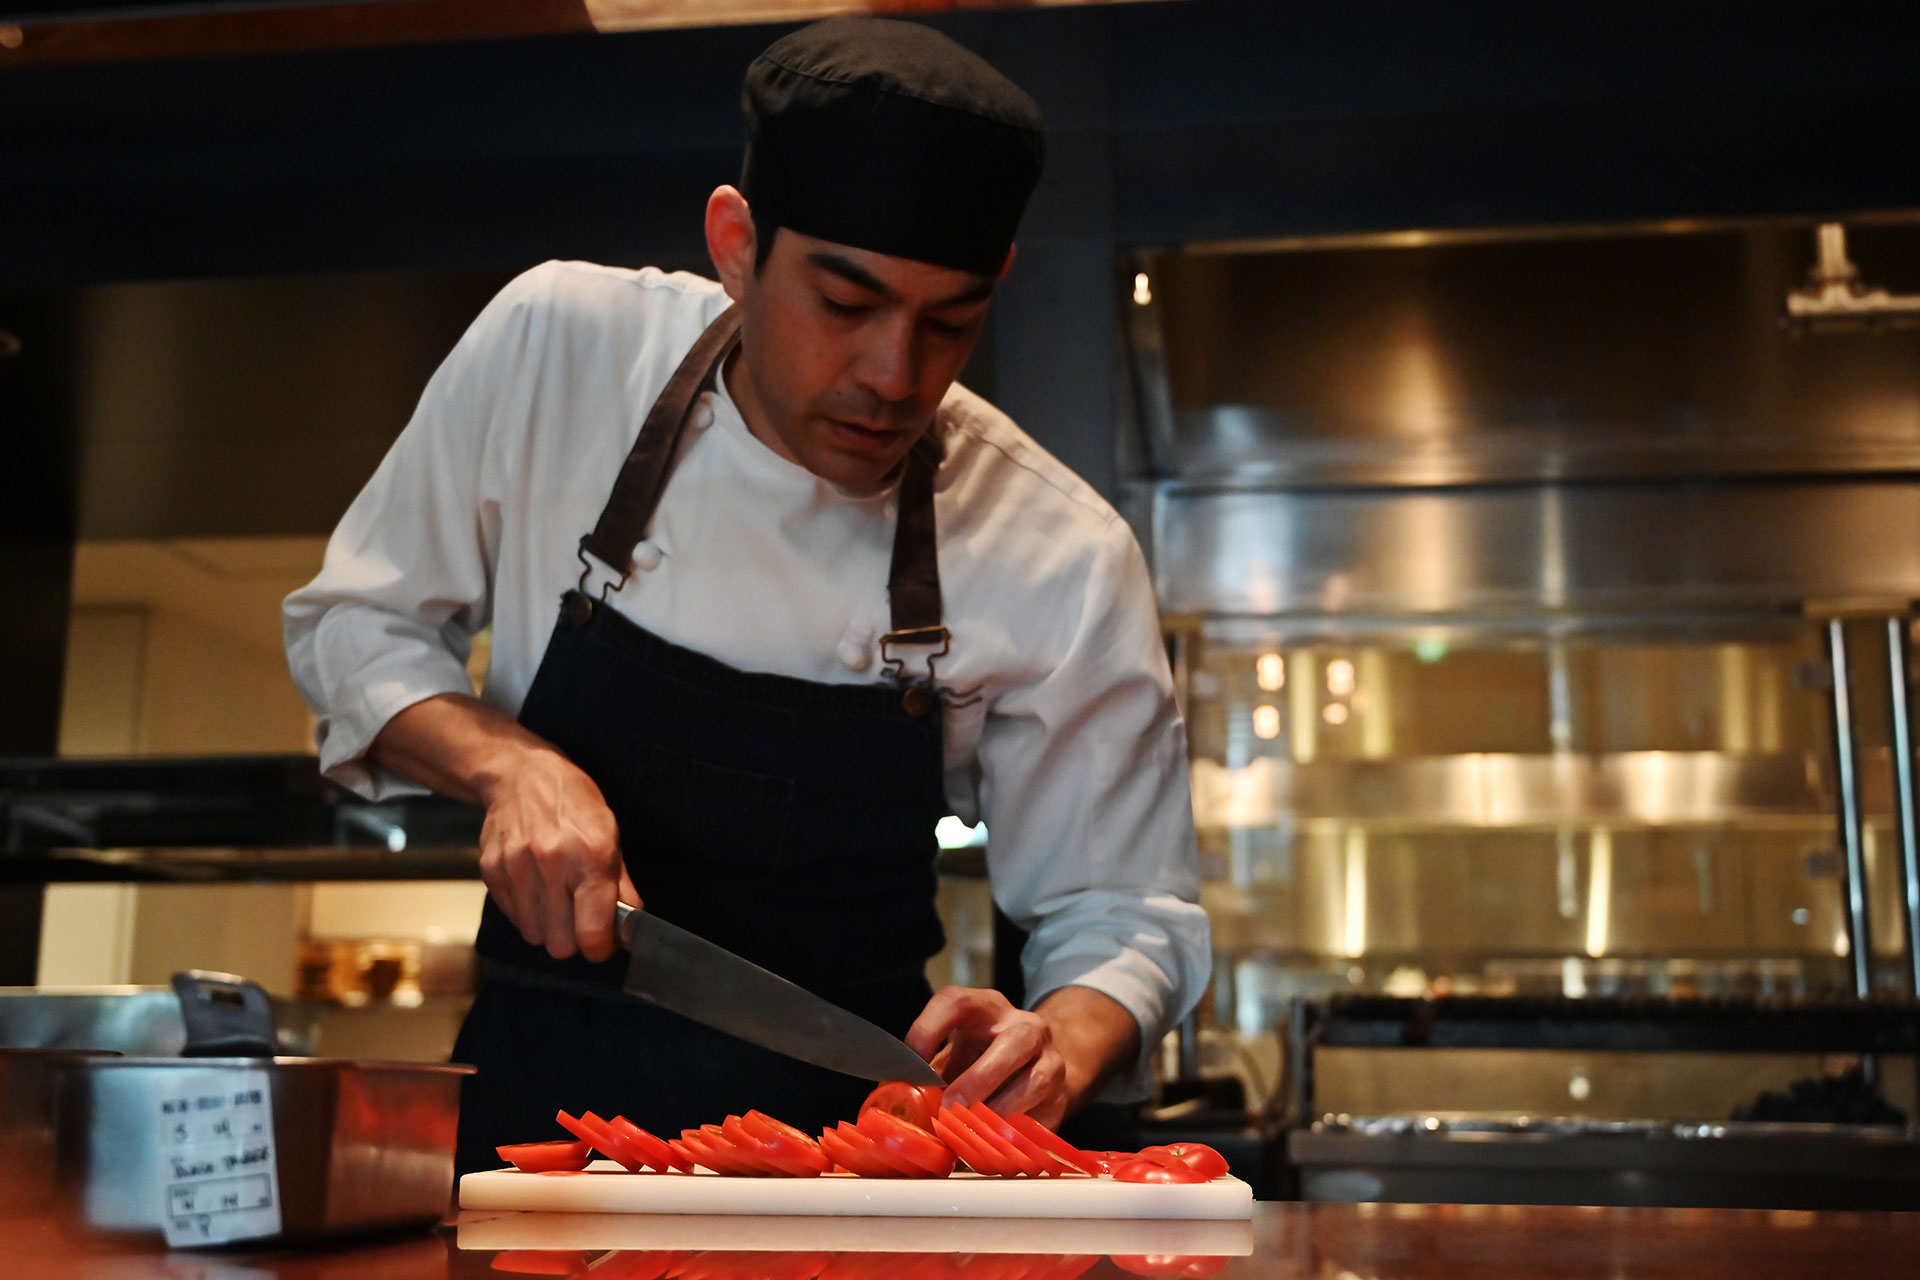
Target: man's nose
890,365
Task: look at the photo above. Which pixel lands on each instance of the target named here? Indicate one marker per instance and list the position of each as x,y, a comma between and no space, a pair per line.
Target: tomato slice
1197,1156
639,1264
641,1145
892,1163
591,1129
985,1126
929,1156
980,1157
857,1158
1070,1268
785,1141
707,1154
1183,1266
914,1103
541,1262
1053,1144
1031,1152
783,1160
1144,1169
546,1157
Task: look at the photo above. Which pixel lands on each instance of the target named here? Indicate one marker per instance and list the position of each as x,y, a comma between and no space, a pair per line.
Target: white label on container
217,1169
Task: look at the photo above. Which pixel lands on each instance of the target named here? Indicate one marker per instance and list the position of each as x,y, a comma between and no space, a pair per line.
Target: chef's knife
683,972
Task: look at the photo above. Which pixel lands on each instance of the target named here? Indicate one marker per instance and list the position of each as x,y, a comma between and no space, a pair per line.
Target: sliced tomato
1197,1156
1055,1145
914,1103
897,1165
858,1159
546,1157
747,1156
785,1161
986,1126
1069,1268
541,1262
785,1140
639,1264
1030,1151
980,1157
591,1129
643,1146
887,1266
928,1155
684,1157
707,1154
744,1264
1143,1169
1184,1266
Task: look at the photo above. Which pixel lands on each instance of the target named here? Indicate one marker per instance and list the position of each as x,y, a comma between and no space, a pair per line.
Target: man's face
847,353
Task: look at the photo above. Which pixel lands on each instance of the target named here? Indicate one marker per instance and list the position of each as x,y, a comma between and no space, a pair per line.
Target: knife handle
623,923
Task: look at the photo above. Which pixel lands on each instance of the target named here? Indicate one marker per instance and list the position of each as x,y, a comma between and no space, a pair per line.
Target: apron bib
787,820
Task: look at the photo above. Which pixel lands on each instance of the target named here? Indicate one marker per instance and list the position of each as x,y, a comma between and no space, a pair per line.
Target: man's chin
854,474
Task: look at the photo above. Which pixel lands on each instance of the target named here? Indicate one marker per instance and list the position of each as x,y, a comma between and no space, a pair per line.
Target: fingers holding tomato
993,1052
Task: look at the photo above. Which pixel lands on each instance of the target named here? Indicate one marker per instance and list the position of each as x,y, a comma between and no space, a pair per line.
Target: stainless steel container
29,1109
137,1020
340,1146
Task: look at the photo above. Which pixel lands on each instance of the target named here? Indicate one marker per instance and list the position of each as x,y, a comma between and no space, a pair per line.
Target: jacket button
916,700
578,609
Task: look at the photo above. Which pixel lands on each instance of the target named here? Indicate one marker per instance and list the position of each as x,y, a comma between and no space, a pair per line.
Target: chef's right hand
550,855
550,847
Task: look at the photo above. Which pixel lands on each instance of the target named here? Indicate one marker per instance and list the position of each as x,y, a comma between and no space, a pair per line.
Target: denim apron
787,820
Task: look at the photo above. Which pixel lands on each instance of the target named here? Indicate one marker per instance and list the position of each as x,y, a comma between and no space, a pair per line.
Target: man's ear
1007,266
730,240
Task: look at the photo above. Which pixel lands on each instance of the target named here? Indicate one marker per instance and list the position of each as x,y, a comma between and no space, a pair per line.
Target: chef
770,594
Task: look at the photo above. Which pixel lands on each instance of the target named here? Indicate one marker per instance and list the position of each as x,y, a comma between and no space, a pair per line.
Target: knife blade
696,979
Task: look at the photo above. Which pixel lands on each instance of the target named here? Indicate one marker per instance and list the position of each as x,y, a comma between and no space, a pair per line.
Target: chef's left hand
1045,1063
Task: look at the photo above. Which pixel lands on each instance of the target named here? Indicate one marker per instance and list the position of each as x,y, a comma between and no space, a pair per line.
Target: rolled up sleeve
1086,796
406,583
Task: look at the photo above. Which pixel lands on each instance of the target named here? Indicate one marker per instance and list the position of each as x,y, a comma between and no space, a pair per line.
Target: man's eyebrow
853,273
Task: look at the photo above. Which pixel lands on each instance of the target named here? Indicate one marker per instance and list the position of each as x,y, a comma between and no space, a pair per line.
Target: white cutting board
607,1188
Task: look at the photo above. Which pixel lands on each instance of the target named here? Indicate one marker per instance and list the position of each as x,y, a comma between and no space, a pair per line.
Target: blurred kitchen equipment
1490,1157
134,1020
29,1109
226,1016
341,1146
1835,301
218,1140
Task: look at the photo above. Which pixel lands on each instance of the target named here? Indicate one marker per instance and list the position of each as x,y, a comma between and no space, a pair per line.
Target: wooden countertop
1284,1241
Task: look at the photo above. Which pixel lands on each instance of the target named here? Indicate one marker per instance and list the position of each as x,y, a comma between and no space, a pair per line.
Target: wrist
1096,1036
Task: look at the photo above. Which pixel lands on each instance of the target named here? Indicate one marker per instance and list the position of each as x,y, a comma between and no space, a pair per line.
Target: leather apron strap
913,578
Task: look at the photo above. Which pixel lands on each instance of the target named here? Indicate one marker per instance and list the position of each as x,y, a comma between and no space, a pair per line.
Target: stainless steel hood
1566,423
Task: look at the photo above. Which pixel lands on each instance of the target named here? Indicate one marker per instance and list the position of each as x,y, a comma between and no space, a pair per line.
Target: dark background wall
1168,123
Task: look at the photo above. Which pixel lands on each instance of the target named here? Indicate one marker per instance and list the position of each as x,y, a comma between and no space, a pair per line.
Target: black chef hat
890,137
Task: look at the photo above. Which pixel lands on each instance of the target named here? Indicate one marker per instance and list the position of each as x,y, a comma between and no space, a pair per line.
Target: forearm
457,745
1096,1036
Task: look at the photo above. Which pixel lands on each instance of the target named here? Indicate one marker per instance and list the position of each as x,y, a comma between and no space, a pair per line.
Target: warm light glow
1340,677
1142,290
1599,890
1266,722
1270,672
1334,713
1355,857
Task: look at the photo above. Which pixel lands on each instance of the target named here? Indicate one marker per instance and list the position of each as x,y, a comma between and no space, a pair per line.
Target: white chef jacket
1065,738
